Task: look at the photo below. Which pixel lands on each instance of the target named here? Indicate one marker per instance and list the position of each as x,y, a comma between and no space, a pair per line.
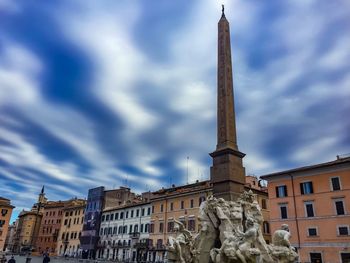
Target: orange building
315,202
5,216
49,228
180,203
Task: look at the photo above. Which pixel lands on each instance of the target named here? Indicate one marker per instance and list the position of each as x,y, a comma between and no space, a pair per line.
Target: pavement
39,259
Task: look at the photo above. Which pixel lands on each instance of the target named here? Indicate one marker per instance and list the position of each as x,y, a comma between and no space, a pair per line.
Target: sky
118,93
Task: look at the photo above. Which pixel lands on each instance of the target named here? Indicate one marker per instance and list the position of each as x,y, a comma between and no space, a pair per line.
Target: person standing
46,258
11,260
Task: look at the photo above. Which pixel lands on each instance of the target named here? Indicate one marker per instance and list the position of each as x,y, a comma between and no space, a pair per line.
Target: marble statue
230,232
179,249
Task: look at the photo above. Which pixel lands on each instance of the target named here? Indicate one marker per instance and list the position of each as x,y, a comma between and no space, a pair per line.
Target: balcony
143,244
134,235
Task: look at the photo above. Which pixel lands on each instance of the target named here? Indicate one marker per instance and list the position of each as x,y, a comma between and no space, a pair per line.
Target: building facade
5,216
27,230
89,236
10,237
68,238
49,227
180,203
98,200
315,202
124,233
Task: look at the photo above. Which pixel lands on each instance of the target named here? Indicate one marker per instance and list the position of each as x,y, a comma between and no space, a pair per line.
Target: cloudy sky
121,92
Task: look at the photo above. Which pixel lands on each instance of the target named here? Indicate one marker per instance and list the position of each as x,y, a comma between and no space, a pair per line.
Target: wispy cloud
140,97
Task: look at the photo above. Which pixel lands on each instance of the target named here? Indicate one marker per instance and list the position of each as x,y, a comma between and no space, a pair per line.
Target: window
306,188
312,231
127,214
148,211
146,228
266,227
112,217
116,216
281,191
161,227
130,229
132,214
316,257
121,215
335,183
343,230
339,207
345,257
142,212
192,203
161,208
103,218
137,212
141,228
309,209
284,213
171,206
191,225
182,204
151,229
170,226
4,212
263,204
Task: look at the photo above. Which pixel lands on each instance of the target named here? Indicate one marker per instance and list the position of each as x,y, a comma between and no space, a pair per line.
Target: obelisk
227,172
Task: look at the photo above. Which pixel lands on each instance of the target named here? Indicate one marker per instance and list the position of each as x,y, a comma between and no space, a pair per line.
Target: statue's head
285,227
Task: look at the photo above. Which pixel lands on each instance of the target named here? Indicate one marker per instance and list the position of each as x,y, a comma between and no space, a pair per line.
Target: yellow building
27,230
68,242
5,216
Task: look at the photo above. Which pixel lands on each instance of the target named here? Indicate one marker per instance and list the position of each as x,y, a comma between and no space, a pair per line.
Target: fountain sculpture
230,233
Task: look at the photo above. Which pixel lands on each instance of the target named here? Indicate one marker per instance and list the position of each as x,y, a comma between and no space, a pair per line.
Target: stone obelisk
227,172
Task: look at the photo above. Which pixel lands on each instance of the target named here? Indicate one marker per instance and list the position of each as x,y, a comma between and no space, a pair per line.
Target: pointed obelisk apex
227,172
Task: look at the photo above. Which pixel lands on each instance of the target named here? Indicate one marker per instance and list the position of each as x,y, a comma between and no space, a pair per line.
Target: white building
124,233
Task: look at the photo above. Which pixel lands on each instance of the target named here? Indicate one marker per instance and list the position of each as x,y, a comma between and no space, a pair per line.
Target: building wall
91,225
123,231
10,237
49,228
28,229
68,242
5,216
327,241
167,206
